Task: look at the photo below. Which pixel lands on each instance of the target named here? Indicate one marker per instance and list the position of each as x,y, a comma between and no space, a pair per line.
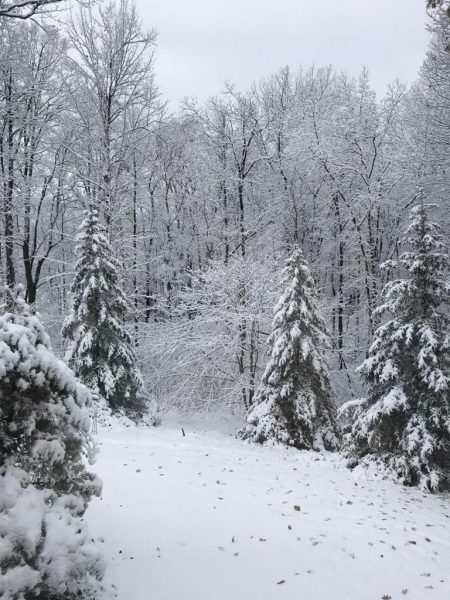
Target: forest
276,258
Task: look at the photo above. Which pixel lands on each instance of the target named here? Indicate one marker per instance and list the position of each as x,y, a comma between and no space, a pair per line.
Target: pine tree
100,350
293,404
405,421
438,4
45,550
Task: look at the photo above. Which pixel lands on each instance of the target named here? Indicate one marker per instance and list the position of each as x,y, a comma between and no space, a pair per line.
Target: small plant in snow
45,550
100,350
294,403
405,421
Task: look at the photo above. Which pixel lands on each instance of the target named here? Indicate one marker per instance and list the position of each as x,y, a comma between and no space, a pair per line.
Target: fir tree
405,421
439,4
100,350
293,404
45,550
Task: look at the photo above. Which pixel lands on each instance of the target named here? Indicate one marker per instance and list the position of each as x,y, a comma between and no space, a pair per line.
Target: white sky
202,43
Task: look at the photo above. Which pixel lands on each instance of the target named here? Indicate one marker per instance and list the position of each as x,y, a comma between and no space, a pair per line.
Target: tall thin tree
100,349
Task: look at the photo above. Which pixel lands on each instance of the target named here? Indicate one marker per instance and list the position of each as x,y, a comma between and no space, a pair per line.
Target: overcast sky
202,43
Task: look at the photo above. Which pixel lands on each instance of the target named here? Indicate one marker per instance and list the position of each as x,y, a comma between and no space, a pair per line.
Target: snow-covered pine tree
45,549
100,350
294,404
404,423
439,5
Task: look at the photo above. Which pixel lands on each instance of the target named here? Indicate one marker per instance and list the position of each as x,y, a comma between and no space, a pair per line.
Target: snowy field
207,517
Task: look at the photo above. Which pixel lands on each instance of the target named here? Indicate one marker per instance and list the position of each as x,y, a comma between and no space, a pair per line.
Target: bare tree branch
26,9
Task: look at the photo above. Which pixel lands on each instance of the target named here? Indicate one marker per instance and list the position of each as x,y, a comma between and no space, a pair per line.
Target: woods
147,247
192,201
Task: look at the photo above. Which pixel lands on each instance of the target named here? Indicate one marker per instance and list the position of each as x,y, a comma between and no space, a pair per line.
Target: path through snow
207,517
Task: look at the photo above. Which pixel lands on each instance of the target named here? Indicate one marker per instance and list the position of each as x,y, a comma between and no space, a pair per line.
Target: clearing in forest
208,517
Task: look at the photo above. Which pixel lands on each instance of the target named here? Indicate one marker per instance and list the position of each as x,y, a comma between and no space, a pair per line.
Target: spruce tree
294,404
439,4
45,550
100,350
405,421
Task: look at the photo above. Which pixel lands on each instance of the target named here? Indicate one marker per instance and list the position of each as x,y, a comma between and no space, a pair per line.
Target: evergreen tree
45,550
438,4
405,421
100,350
293,404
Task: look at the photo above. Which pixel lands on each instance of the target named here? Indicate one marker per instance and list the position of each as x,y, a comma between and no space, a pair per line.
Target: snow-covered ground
207,517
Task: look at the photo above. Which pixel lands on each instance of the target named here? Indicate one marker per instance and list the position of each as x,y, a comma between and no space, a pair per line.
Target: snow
66,561
209,517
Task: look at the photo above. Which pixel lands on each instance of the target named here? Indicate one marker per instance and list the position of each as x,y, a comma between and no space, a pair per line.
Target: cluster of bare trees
75,106
311,158
202,207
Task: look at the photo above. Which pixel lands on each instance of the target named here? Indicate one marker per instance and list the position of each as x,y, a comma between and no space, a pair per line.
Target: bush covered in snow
45,550
405,421
294,404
